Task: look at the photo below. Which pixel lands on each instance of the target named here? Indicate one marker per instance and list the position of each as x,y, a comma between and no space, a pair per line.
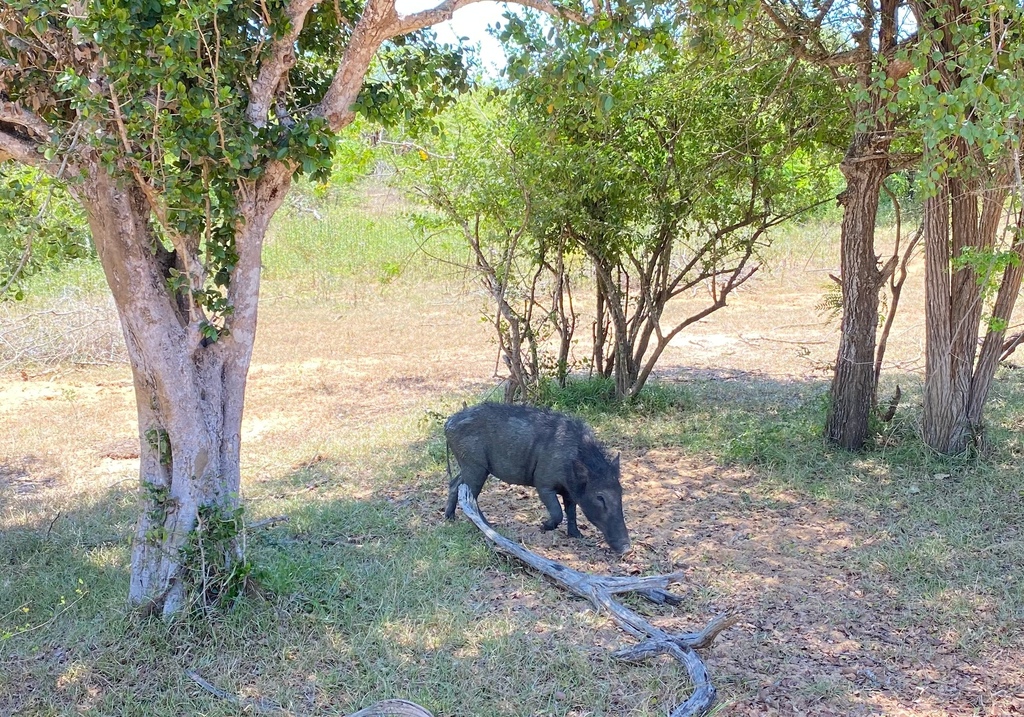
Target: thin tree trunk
937,418
965,305
853,382
957,378
599,330
992,347
865,168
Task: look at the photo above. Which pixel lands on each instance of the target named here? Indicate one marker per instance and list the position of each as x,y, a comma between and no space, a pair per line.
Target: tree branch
798,41
282,58
444,12
20,150
380,22
600,590
21,135
385,708
15,114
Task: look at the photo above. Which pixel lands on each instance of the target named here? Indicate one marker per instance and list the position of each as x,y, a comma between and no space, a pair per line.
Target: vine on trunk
217,570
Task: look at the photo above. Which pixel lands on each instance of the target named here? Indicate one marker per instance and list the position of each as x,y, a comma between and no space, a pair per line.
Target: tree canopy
664,176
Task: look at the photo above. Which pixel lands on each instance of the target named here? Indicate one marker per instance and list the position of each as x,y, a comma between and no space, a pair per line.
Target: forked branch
600,590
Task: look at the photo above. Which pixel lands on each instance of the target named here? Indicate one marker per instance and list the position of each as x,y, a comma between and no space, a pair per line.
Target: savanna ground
889,582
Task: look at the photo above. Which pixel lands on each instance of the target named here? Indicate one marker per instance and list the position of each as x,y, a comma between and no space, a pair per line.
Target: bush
41,227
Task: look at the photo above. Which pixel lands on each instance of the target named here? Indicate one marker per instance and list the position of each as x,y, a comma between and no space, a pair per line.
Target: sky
471,22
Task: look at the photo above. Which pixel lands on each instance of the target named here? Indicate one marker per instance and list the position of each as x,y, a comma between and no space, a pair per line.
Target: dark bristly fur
555,453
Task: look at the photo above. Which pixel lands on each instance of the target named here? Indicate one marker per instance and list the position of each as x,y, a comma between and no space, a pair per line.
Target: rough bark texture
853,383
992,349
865,168
958,377
938,414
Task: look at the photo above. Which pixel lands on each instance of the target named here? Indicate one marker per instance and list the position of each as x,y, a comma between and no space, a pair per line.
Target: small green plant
214,556
158,497
831,303
588,394
596,395
25,612
160,442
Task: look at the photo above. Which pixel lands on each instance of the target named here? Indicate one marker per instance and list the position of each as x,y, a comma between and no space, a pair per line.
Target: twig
52,619
386,708
267,522
243,702
600,590
49,528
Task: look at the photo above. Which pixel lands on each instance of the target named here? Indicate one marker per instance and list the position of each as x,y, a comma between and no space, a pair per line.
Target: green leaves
36,209
413,79
967,85
657,146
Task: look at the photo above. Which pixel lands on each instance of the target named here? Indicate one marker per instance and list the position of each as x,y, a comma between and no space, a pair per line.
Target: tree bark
937,419
957,376
853,383
189,391
865,168
992,347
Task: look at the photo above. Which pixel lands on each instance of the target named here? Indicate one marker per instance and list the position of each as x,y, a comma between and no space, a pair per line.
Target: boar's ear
615,463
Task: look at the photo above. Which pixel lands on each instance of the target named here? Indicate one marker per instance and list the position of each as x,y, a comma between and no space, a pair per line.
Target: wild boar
556,454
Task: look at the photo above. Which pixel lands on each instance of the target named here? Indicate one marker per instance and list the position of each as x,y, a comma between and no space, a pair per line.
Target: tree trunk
189,392
602,363
853,384
937,419
957,377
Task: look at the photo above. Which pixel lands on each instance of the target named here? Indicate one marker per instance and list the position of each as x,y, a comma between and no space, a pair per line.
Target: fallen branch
1010,345
600,590
267,522
244,703
385,708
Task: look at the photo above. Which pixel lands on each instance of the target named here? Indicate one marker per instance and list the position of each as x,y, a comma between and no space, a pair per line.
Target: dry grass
885,583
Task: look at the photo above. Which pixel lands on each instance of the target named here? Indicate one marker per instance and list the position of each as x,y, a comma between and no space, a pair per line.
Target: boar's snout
603,507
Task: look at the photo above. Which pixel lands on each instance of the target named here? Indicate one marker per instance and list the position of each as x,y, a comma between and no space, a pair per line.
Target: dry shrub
71,328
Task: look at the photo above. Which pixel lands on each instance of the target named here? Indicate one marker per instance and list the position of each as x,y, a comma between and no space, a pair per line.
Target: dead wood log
600,590
385,708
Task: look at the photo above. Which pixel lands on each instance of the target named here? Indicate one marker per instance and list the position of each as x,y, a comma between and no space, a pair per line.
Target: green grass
372,598
359,602
324,251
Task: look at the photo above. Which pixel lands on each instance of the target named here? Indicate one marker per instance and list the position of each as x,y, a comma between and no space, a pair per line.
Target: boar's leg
474,477
570,517
453,496
550,500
